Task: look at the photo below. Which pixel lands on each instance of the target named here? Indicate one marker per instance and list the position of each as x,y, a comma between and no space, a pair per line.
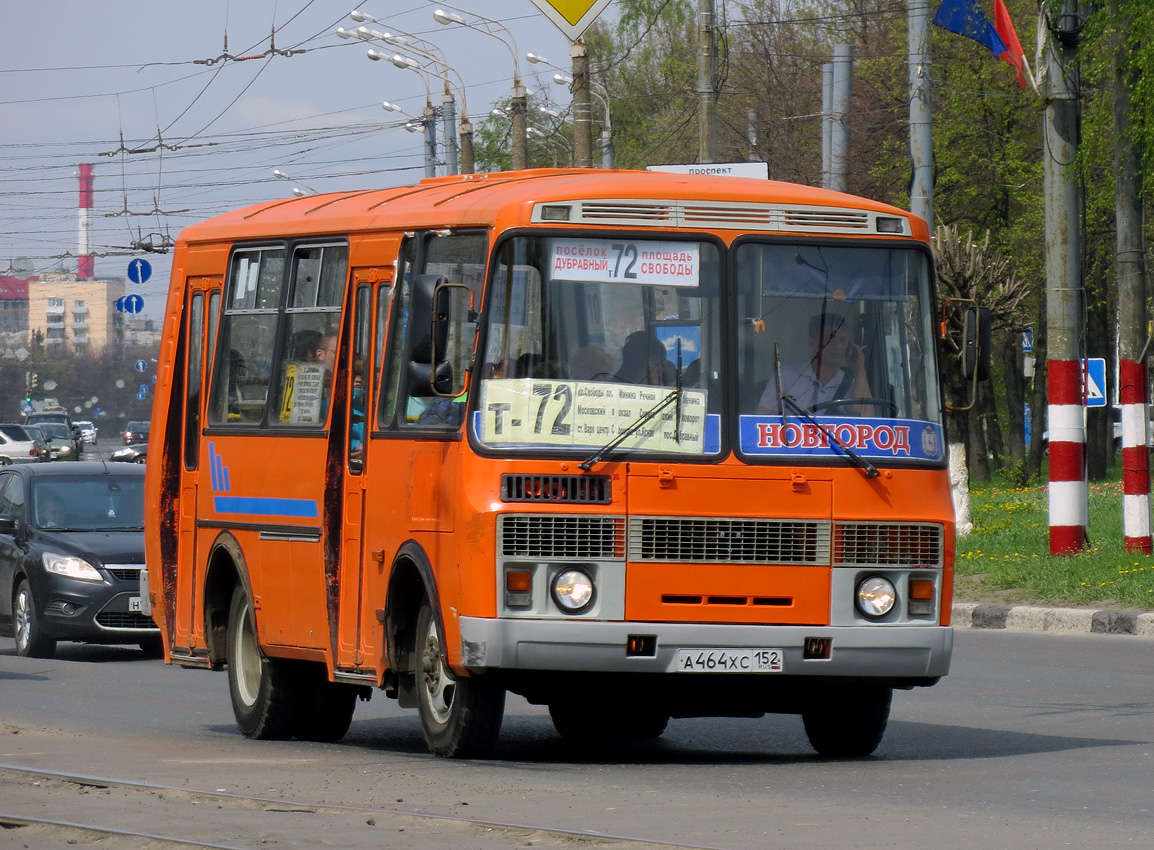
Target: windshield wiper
589,462
860,462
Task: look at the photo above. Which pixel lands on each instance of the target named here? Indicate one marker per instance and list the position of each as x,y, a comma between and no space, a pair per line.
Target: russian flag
967,18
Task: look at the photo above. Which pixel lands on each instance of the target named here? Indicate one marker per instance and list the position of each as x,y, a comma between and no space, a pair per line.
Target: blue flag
966,17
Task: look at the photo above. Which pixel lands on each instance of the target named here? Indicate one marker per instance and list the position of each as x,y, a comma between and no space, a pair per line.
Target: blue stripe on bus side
257,506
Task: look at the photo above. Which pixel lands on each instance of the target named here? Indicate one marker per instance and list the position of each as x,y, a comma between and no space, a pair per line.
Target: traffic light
32,382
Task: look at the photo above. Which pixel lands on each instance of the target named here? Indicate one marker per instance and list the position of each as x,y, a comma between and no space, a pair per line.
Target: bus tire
576,721
265,691
31,641
326,709
461,718
848,722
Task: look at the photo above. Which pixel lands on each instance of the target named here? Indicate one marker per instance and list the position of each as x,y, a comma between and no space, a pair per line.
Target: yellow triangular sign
572,17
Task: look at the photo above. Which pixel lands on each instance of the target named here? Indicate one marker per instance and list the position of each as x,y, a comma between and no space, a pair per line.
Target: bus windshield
836,340
589,338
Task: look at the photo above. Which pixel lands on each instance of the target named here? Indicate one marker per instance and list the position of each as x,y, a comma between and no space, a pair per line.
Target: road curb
1029,618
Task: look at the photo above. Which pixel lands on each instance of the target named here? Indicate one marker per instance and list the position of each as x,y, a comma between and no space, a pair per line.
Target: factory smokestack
86,265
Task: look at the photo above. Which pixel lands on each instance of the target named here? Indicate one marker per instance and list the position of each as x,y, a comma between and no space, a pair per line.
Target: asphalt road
1033,741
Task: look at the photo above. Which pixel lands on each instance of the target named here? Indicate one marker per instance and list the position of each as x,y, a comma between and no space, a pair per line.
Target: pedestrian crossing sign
1095,381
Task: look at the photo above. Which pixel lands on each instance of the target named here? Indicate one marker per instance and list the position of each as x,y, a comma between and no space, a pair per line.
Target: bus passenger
835,370
643,361
592,363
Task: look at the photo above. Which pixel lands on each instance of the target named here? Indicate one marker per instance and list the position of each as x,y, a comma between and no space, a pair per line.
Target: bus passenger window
248,328
312,319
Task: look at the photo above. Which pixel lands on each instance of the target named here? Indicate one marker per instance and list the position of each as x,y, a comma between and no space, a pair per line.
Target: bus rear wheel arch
460,716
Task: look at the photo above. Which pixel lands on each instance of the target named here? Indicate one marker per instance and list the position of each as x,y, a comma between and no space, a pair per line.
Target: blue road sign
98,411
140,365
133,303
139,271
120,304
141,396
25,408
144,389
1095,381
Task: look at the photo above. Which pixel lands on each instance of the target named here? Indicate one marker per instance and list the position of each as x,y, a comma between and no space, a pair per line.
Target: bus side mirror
428,379
976,343
429,318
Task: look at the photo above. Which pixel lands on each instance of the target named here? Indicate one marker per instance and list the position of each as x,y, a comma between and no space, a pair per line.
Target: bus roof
508,199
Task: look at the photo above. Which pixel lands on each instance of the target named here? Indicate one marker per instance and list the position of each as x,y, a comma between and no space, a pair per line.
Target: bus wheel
31,642
634,721
848,722
326,710
461,718
264,690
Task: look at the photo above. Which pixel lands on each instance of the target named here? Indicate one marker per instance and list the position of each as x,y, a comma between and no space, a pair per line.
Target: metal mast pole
1065,299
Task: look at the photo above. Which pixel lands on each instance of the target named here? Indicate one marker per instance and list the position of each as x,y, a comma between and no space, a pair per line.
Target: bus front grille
560,536
728,541
912,544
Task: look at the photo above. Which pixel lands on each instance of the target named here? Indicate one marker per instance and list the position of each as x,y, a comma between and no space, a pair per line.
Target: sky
177,133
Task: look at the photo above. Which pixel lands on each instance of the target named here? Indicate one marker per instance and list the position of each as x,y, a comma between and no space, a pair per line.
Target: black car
136,432
137,453
71,554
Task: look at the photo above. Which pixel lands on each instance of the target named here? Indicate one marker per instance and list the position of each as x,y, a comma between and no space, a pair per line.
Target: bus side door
356,619
202,306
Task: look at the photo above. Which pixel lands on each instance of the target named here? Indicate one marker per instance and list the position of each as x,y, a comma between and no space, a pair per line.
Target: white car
87,431
17,445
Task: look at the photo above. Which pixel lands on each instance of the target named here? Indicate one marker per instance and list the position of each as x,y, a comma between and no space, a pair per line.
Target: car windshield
15,432
99,503
55,431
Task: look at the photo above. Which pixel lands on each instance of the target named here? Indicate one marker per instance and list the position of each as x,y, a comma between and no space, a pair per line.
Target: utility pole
1065,292
449,131
921,127
1132,314
582,107
826,124
840,103
706,95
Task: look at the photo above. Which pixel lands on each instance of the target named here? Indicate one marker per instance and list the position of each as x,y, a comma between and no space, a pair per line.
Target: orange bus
635,446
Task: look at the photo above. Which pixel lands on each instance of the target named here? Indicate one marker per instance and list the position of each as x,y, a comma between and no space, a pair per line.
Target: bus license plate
729,660
134,603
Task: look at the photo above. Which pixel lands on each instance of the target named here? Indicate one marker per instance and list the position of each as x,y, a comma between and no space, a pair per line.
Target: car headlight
70,566
573,591
876,596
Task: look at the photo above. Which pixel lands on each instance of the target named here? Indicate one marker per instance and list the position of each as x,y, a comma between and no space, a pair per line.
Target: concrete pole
921,127
582,107
466,131
842,92
1132,314
706,96
826,124
448,130
1065,296
520,128
430,122
751,133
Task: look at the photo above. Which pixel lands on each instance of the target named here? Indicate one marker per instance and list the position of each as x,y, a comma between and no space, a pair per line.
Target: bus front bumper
890,652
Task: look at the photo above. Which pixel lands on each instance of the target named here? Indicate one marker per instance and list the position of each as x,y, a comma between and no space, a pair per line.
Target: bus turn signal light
519,589
921,596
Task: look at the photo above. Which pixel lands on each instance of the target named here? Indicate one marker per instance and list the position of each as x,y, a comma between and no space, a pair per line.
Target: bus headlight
573,591
876,596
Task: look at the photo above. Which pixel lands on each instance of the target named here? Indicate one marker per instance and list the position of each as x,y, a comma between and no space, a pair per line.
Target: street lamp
492,28
429,119
299,192
437,66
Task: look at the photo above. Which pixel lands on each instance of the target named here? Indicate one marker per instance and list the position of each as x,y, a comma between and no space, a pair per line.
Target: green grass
1007,556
